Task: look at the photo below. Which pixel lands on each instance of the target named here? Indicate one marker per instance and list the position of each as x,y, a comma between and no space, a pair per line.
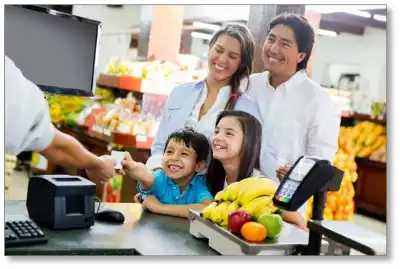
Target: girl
236,155
197,104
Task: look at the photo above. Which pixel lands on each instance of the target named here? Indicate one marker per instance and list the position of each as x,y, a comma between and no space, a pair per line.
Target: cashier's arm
67,151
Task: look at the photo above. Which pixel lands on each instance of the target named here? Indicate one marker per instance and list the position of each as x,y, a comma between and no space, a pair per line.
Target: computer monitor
55,50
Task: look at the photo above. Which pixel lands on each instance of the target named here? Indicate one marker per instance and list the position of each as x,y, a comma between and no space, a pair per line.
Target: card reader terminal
306,177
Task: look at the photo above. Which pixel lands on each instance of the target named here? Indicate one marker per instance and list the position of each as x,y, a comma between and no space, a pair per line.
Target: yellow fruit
219,195
365,152
231,192
259,206
218,213
232,207
262,187
380,141
253,232
206,212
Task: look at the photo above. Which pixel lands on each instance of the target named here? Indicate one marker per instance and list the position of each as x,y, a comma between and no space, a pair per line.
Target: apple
236,219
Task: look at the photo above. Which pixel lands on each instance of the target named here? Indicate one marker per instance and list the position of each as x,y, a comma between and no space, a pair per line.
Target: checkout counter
144,233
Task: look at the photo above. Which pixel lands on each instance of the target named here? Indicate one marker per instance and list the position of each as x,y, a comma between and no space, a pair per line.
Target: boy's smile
179,161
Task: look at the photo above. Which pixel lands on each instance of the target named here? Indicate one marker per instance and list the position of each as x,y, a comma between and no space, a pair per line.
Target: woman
197,104
236,146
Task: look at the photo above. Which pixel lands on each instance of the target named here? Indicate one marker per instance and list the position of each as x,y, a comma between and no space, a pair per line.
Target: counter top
142,233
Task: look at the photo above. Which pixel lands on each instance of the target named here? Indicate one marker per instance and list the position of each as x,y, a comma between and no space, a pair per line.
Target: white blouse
206,124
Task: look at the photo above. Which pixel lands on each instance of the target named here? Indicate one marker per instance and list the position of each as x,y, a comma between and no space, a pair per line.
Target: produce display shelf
364,117
127,83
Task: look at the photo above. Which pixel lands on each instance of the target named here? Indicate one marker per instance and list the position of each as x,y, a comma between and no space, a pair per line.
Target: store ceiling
339,22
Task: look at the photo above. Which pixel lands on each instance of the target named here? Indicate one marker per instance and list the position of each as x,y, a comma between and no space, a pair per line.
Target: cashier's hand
152,204
103,171
282,171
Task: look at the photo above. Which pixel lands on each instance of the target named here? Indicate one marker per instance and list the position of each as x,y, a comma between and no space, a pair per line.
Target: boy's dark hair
303,33
250,155
192,139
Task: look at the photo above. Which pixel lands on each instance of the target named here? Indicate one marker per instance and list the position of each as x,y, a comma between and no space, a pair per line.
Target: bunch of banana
259,206
253,195
61,107
367,137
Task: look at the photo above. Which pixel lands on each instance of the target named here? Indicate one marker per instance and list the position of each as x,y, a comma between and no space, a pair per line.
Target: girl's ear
200,166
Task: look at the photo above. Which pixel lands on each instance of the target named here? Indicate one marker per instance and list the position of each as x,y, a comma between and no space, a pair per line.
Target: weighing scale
309,176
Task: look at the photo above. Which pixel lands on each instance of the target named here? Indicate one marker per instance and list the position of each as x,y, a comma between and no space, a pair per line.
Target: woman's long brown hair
243,35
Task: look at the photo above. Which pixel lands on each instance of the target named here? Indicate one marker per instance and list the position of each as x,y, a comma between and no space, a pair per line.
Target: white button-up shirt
298,117
206,125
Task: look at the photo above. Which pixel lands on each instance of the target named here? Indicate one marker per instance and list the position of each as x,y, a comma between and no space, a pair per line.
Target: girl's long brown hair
250,155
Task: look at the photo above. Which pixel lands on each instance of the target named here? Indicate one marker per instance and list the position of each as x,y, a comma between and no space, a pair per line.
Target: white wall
217,12
368,51
117,25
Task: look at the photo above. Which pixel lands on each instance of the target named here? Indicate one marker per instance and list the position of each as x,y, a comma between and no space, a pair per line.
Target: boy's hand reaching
137,171
130,167
152,204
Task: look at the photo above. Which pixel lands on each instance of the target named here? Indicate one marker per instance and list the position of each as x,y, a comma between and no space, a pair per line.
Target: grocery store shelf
364,117
127,83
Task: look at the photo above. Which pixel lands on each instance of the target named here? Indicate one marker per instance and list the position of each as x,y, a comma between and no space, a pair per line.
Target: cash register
310,176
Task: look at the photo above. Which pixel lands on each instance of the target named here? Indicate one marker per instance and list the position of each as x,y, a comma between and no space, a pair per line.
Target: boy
177,187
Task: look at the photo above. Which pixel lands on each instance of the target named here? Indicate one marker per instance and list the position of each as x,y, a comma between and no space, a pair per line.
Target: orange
338,216
354,176
340,208
331,202
253,231
341,200
349,208
351,191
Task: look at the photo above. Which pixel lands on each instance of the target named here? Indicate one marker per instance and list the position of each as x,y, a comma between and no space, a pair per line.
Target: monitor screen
56,51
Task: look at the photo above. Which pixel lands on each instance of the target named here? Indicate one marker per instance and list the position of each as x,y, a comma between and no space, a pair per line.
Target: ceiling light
201,35
326,32
202,25
341,8
379,17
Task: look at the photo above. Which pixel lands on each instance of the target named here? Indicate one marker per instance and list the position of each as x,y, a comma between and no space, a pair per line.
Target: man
28,128
297,113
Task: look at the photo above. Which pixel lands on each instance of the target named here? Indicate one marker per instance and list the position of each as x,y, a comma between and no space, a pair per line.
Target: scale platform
224,242
354,237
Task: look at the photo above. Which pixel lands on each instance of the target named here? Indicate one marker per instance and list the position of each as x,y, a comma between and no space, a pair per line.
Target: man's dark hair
303,33
192,139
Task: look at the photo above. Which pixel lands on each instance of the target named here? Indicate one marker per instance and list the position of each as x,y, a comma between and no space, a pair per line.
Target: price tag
141,138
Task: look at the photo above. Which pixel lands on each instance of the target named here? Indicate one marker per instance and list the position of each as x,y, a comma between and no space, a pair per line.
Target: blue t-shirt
168,192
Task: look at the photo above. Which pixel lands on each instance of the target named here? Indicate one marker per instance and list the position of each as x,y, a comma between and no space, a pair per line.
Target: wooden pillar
161,31
259,17
144,34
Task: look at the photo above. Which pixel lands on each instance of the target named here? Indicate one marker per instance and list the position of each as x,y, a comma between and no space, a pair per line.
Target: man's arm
322,135
67,151
29,128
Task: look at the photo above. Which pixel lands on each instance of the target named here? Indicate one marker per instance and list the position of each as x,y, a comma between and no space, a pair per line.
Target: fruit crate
226,243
